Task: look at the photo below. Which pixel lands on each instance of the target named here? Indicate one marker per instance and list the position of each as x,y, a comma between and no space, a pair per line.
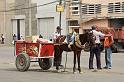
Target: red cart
26,52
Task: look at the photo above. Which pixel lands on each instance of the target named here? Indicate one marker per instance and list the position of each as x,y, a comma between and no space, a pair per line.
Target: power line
17,5
42,5
30,7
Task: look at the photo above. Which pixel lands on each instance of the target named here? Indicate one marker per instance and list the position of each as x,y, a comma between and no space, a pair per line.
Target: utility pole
60,15
80,12
18,29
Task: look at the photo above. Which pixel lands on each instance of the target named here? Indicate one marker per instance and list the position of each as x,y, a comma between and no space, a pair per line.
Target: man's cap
59,28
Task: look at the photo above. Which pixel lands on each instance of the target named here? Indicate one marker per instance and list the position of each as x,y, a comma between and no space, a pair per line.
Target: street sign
59,8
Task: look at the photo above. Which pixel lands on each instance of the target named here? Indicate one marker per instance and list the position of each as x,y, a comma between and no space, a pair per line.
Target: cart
27,52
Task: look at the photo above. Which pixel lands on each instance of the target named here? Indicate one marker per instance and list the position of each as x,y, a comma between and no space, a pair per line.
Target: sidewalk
2,45
6,45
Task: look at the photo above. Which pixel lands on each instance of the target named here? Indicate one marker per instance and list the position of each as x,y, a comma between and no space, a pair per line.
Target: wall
99,23
30,19
5,28
50,11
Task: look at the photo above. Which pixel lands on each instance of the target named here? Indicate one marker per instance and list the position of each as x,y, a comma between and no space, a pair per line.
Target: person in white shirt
58,51
57,34
95,49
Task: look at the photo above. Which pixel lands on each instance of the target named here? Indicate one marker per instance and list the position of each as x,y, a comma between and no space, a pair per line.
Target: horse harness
78,42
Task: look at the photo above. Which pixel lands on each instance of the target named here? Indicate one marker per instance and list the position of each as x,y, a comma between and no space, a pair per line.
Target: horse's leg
74,68
78,60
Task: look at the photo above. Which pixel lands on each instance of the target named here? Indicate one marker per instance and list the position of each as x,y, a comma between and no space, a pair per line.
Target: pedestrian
14,39
108,52
2,38
57,34
72,38
40,36
95,50
21,38
58,51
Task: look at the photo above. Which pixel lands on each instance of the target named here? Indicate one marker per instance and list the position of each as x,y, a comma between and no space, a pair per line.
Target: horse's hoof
61,66
80,72
95,71
58,71
74,72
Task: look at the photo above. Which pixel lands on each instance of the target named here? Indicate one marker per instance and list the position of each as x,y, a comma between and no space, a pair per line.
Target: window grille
117,7
91,8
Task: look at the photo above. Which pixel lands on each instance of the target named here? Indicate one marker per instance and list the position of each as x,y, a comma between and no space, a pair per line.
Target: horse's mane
83,38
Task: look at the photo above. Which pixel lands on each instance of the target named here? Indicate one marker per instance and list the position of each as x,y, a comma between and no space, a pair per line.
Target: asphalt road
9,73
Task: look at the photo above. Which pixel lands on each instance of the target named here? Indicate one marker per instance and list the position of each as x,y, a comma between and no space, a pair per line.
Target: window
73,23
91,8
110,8
98,8
75,8
75,13
122,6
116,7
84,9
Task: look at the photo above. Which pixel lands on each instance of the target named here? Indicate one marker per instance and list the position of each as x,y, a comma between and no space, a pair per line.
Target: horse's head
87,39
84,38
81,40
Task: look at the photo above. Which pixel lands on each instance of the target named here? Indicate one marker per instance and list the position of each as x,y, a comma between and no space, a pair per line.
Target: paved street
9,73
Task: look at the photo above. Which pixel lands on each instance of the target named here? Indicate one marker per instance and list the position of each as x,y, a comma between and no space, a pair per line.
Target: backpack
92,39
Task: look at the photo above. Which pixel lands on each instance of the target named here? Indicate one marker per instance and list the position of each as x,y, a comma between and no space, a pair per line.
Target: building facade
5,19
24,23
85,13
48,19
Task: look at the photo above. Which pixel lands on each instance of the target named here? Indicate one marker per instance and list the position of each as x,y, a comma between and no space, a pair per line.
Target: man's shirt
97,35
56,35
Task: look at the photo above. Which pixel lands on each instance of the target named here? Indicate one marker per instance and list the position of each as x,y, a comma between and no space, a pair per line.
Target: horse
80,40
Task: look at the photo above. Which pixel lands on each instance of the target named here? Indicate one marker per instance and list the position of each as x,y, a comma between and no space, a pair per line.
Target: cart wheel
22,62
45,63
